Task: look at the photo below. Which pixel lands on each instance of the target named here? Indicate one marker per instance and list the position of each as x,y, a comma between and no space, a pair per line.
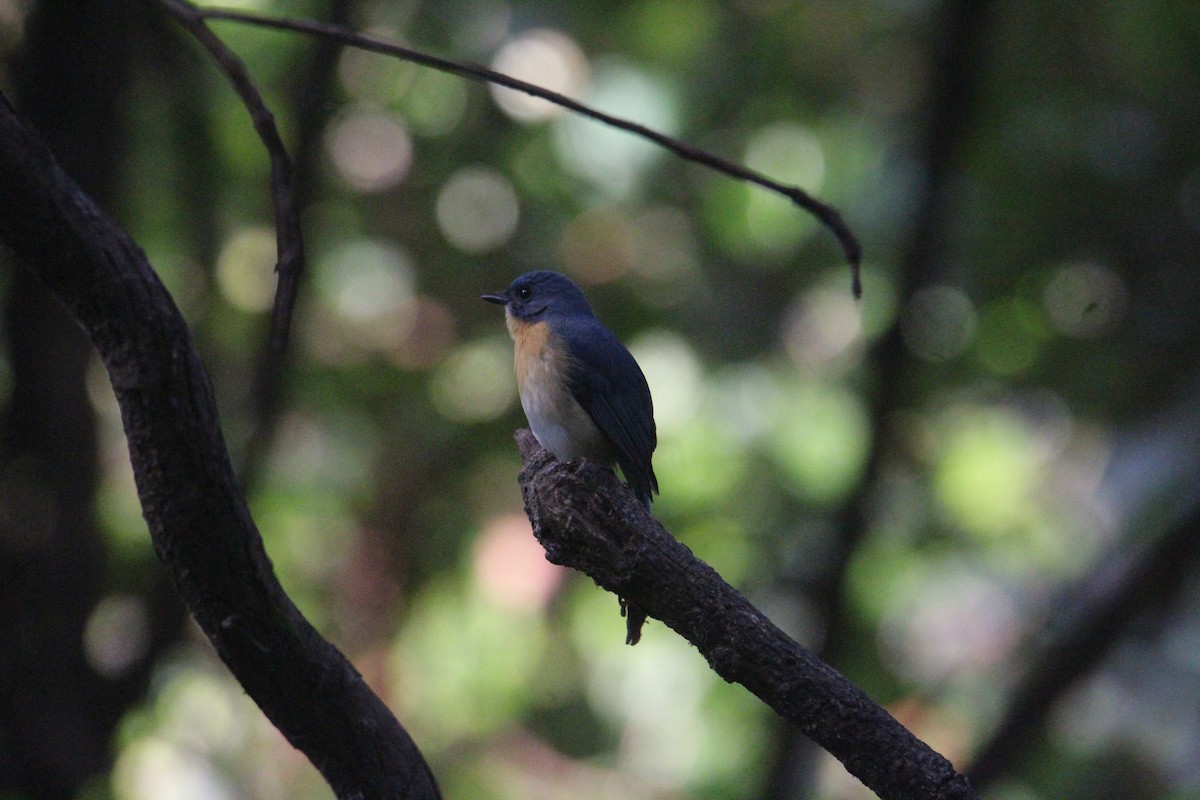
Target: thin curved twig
289,242
311,89
829,216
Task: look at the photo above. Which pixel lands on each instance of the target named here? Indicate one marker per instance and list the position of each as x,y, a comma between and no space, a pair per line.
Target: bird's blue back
607,381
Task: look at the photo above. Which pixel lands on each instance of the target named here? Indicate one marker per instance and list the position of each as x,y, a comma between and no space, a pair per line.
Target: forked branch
829,216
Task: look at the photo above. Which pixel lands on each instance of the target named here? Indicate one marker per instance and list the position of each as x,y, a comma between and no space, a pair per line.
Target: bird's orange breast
534,353
542,364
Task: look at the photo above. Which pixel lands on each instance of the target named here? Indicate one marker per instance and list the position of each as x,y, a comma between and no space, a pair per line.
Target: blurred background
973,492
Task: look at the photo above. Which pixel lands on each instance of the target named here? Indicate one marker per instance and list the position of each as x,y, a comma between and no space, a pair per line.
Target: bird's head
536,295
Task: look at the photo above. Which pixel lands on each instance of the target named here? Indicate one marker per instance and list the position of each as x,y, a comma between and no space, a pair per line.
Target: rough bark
198,520
59,710
586,519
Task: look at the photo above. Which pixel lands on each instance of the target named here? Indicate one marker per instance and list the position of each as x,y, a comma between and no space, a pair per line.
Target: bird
581,389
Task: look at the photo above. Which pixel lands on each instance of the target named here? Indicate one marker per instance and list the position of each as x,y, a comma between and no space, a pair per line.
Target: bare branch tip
527,444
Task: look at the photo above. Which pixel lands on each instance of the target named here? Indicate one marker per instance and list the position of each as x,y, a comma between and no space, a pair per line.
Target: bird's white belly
560,424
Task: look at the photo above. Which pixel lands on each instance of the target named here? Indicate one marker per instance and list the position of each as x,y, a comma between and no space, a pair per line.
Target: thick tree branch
586,519
198,520
58,713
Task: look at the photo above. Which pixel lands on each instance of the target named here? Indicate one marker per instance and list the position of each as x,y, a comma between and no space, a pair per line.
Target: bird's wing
608,383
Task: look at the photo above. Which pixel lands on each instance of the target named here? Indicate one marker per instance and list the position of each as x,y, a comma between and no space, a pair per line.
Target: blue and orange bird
583,393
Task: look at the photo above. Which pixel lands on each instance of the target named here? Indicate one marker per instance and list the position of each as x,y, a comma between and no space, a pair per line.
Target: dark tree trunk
57,713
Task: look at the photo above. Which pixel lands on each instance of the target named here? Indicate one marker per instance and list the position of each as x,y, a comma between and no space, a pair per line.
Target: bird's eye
524,292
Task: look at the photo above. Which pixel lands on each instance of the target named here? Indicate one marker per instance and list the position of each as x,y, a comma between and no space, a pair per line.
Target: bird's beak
497,298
